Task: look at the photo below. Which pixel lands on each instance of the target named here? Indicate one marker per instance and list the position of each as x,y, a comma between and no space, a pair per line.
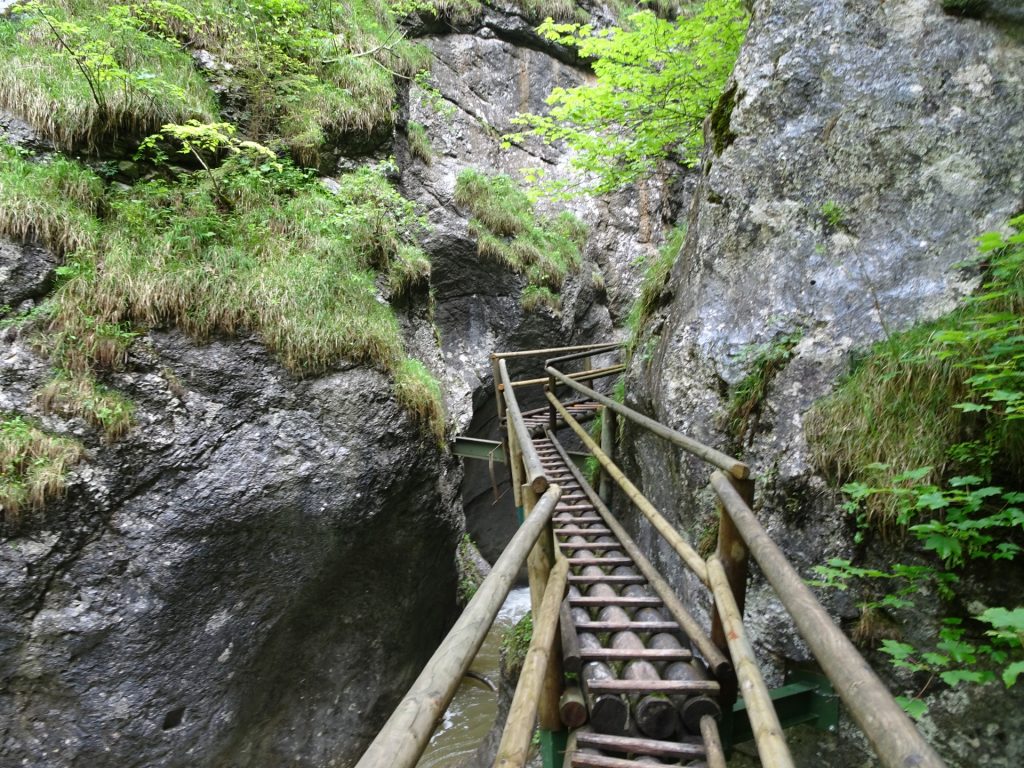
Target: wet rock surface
869,144
212,589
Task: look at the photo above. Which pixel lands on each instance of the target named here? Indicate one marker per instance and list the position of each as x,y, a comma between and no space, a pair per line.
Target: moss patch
721,134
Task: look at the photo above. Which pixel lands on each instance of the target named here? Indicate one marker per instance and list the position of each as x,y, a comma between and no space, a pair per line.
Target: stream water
471,713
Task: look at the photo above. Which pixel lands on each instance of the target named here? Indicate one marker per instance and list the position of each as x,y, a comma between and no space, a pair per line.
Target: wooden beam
771,744
531,461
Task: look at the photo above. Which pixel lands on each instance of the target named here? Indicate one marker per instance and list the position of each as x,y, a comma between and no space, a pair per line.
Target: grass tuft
82,396
86,74
420,393
52,202
508,230
419,142
656,273
409,270
33,467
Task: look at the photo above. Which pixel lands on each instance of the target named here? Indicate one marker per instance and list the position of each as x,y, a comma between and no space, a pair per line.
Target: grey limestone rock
870,143
252,577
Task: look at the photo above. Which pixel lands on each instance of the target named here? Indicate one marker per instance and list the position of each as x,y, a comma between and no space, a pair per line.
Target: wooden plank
656,686
635,746
628,626
625,654
715,659
607,579
577,531
600,561
583,760
627,602
590,545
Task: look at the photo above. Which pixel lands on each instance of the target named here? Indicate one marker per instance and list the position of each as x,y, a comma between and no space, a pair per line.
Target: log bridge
620,673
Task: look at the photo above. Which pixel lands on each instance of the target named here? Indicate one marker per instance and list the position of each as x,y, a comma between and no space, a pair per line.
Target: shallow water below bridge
471,713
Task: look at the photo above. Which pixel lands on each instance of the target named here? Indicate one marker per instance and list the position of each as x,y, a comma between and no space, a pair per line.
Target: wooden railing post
732,554
608,425
496,373
538,567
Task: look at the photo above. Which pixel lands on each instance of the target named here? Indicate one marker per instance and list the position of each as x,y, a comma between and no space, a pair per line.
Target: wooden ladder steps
574,508
637,746
628,654
590,545
576,519
654,686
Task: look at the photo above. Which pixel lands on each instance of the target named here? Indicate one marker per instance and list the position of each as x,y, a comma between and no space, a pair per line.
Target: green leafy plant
833,213
957,519
656,82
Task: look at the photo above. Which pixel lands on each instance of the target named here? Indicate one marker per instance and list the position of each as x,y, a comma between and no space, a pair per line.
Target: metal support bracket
552,747
806,698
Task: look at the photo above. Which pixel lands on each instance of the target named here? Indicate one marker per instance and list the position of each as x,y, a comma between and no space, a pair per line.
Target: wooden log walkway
625,647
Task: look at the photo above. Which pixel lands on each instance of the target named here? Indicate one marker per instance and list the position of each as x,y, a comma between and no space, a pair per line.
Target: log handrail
515,740
716,458
405,735
895,739
595,348
535,476
686,552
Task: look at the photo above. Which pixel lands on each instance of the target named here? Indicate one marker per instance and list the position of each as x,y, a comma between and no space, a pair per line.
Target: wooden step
590,545
611,560
625,602
627,626
607,579
639,746
628,654
584,531
653,686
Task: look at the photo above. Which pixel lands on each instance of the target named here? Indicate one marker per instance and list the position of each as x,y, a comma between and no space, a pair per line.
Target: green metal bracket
520,515
475,448
806,698
552,747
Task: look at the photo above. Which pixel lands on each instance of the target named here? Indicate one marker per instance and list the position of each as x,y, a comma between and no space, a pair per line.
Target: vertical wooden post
496,373
732,553
552,413
538,566
608,425
515,466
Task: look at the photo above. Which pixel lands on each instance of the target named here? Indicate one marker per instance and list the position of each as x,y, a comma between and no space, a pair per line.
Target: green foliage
515,644
82,396
656,82
419,142
470,577
656,272
765,361
508,229
85,73
33,467
409,270
833,213
970,366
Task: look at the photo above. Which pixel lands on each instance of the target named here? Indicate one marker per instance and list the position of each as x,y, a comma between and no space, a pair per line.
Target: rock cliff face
868,144
212,591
